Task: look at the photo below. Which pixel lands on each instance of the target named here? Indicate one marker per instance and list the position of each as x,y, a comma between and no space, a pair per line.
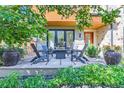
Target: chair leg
82,60
47,59
33,59
41,59
60,62
74,62
47,62
85,58
37,61
34,62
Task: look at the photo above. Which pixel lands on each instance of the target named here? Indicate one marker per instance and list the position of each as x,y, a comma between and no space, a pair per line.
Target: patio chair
79,54
41,56
47,51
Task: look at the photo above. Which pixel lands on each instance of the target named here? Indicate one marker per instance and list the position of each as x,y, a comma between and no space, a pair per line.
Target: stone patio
24,67
54,63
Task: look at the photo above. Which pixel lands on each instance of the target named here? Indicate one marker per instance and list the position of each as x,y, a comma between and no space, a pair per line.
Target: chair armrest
74,50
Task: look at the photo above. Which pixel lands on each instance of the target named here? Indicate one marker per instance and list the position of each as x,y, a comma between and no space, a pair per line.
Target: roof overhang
56,20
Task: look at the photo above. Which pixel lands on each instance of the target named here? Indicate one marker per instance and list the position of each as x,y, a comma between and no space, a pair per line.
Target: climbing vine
83,14
109,17
18,24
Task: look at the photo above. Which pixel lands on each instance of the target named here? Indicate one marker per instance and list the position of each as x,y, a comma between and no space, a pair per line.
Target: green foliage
55,83
82,13
92,75
106,47
83,17
11,81
109,17
21,51
92,51
34,82
65,10
18,24
116,48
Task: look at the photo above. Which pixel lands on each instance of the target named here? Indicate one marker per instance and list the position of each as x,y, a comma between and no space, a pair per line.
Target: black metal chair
79,54
47,51
39,57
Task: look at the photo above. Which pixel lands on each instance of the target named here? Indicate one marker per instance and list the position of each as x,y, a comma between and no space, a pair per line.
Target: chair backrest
78,44
84,48
51,44
44,47
35,50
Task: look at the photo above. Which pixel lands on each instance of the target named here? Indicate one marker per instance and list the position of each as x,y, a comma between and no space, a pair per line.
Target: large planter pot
112,58
11,58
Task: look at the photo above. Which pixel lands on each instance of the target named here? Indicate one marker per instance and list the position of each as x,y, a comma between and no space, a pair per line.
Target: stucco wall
103,35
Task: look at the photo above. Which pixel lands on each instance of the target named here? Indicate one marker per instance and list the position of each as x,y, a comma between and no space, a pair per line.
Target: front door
89,36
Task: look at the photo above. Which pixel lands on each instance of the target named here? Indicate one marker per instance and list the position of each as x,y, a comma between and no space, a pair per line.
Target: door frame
65,35
92,34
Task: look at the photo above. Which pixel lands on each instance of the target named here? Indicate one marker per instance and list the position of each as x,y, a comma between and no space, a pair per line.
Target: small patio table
60,54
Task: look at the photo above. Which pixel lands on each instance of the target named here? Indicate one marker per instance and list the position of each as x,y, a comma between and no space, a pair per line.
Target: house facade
97,34
65,29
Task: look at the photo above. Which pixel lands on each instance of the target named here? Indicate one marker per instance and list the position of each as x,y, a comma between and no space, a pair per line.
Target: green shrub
92,51
21,51
67,76
55,83
35,82
11,81
106,47
116,48
92,75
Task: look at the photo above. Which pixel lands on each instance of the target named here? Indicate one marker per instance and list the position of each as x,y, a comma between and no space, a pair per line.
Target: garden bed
91,76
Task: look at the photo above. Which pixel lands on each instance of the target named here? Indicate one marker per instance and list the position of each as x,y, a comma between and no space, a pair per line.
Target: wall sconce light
79,35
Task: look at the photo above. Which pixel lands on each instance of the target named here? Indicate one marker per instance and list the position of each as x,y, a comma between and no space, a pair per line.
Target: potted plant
11,57
92,51
112,54
109,18
112,58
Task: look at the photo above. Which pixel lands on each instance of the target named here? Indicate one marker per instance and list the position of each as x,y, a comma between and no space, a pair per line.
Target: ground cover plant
94,75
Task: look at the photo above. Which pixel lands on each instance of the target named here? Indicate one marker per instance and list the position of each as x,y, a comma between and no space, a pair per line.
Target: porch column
111,34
